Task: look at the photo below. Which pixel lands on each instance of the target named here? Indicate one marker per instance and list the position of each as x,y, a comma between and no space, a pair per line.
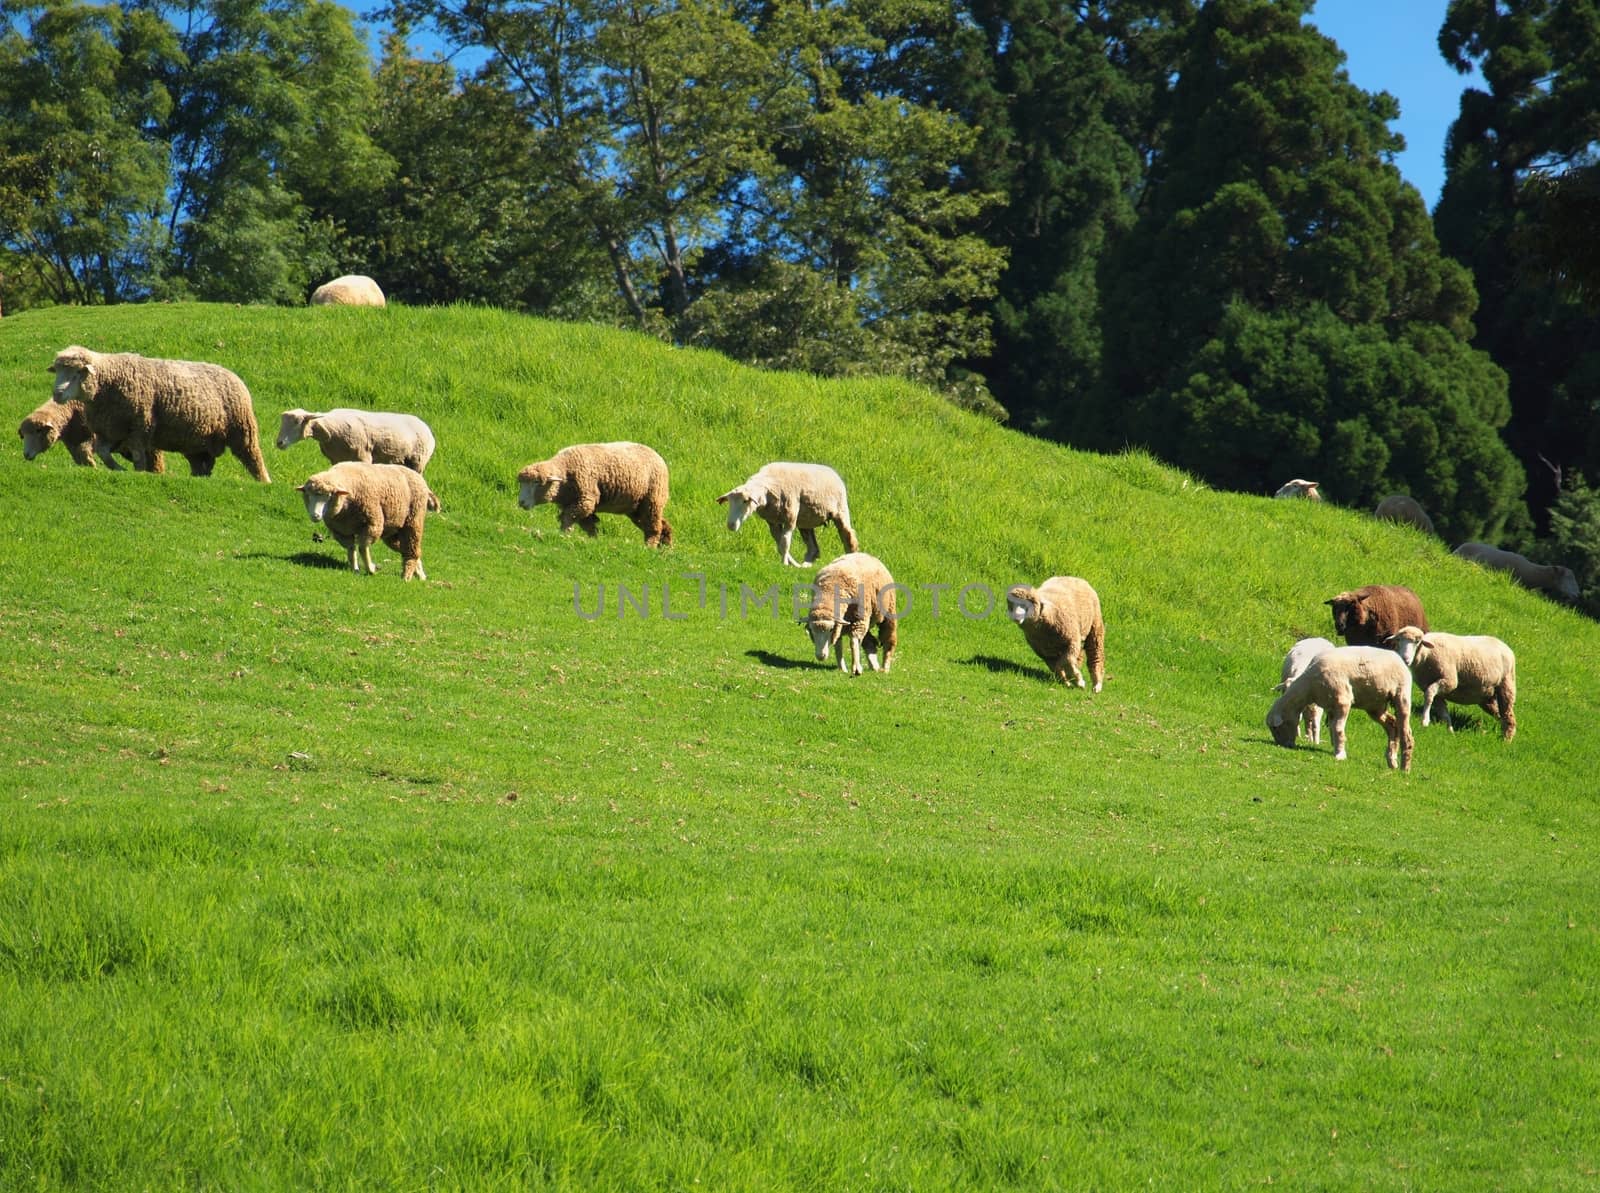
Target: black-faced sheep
1551,578
1463,669
365,436
142,405
1398,507
788,497
1062,623
588,479
854,593
1365,677
1366,616
1300,488
351,290
1296,661
366,503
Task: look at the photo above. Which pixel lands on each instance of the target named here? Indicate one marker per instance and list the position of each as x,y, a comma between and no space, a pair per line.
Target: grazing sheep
1366,616
789,497
1300,488
1471,669
366,436
1061,621
602,478
1551,578
1296,661
1397,507
855,592
142,405
1365,677
363,503
351,290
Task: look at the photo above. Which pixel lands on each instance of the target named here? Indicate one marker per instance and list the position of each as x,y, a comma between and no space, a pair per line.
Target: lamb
1061,621
1366,616
351,290
588,479
1300,488
142,405
362,503
789,497
856,593
1552,578
1296,661
1471,669
1397,507
1365,677
366,436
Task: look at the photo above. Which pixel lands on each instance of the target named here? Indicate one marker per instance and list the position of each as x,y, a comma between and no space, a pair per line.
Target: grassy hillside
315,880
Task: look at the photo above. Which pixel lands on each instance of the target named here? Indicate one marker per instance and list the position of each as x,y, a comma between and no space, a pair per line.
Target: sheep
1397,507
789,497
362,503
1366,616
1296,661
1300,488
142,405
366,436
1061,621
67,423
351,290
1472,669
1551,578
1365,677
856,593
588,479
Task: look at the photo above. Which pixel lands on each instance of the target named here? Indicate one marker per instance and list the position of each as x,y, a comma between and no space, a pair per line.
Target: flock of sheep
109,404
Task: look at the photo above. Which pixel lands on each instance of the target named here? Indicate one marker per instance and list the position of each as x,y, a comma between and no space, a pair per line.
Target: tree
1516,161
82,192
1281,307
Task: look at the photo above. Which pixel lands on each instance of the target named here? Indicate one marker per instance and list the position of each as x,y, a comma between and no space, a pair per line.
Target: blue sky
1394,47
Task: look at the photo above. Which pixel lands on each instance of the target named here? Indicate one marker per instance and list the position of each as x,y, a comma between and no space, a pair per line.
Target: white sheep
65,423
1296,661
351,290
142,405
1552,578
856,593
1061,620
1399,507
1463,669
1365,677
789,497
364,503
366,436
588,479
1300,488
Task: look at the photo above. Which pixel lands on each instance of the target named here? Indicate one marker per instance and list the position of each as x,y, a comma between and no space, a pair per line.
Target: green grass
310,880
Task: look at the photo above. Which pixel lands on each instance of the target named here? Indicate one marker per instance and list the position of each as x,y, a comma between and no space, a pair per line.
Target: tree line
1163,223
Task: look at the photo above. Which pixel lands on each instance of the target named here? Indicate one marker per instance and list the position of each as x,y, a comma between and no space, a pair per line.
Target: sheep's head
1348,612
1282,728
37,436
1566,583
322,497
1023,604
294,426
540,483
1407,642
825,630
75,375
1300,488
742,502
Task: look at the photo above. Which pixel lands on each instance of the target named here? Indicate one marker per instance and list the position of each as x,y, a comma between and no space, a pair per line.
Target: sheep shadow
785,662
999,666
305,559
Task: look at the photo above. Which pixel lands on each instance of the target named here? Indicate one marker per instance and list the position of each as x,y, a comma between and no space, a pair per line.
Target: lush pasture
311,880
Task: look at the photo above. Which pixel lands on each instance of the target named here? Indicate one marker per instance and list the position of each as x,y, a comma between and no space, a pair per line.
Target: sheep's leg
1095,648
352,552
654,527
1315,713
870,645
1067,668
855,654
847,536
1337,716
1505,701
1391,730
201,463
107,456
784,536
813,548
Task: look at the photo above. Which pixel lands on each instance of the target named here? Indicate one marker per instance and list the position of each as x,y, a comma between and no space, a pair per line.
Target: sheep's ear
1281,686
1330,600
723,500
1426,641
341,492
299,488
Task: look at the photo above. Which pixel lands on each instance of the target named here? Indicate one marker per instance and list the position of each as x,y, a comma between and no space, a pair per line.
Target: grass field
310,880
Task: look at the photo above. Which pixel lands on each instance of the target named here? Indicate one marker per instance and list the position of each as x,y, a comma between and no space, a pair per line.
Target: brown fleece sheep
588,479
1366,616
364,503
1061,621
1397,507
66,422
144,404
351,290
856,593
